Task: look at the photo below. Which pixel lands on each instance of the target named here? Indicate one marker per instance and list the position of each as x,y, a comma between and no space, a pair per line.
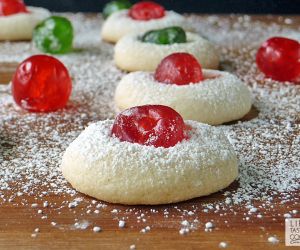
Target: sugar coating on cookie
101,166
20,26
131,54
220,98
120,24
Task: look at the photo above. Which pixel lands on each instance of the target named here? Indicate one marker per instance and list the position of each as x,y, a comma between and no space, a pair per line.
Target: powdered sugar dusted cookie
208,96
132,54
121,23
20,26
100,165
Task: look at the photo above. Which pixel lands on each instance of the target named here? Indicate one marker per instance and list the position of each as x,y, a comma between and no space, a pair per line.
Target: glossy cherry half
146,11
180,69
151,125
10,7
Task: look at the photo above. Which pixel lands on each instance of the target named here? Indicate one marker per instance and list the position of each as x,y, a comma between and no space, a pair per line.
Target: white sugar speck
97,229
185,223
253,210
122,224
82,225
273,240
223,245
146,229
184,231
209,225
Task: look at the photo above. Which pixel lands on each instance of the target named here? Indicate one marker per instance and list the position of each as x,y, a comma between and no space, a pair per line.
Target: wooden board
6,72
18,221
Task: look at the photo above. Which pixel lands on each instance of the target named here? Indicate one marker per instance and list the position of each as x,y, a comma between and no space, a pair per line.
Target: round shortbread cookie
220,98
120,24
131,54
103,167
20,26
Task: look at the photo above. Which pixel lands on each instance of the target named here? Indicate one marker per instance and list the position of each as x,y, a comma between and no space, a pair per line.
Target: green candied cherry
54,35
115,6
165,36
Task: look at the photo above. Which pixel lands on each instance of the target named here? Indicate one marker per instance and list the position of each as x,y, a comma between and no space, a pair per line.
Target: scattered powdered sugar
273,240
82,225
32,145
97,229
122,224
209,225
146,229
223,245
183,231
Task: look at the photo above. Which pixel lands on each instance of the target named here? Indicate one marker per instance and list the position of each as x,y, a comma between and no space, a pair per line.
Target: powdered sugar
31,145
273,240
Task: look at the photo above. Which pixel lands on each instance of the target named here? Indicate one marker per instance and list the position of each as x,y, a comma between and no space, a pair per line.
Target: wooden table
17,221
6,72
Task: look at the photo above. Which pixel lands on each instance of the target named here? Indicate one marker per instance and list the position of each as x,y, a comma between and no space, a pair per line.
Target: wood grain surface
18,220
17,223
6,72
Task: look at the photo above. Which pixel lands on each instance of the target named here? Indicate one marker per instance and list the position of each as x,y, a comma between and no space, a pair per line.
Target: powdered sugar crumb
209,225
97,229
122,224
223,245
273,240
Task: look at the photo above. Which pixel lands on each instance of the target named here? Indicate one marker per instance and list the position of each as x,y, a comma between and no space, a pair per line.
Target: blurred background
188,6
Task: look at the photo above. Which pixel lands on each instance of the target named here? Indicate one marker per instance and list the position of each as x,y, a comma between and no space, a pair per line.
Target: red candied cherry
146,11
10,7
279,59
41,83
179,69
151,125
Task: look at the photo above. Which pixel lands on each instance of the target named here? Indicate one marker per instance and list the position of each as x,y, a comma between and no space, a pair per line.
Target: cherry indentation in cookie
41,84
279,59
150,125
179,69
10,7
146,11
